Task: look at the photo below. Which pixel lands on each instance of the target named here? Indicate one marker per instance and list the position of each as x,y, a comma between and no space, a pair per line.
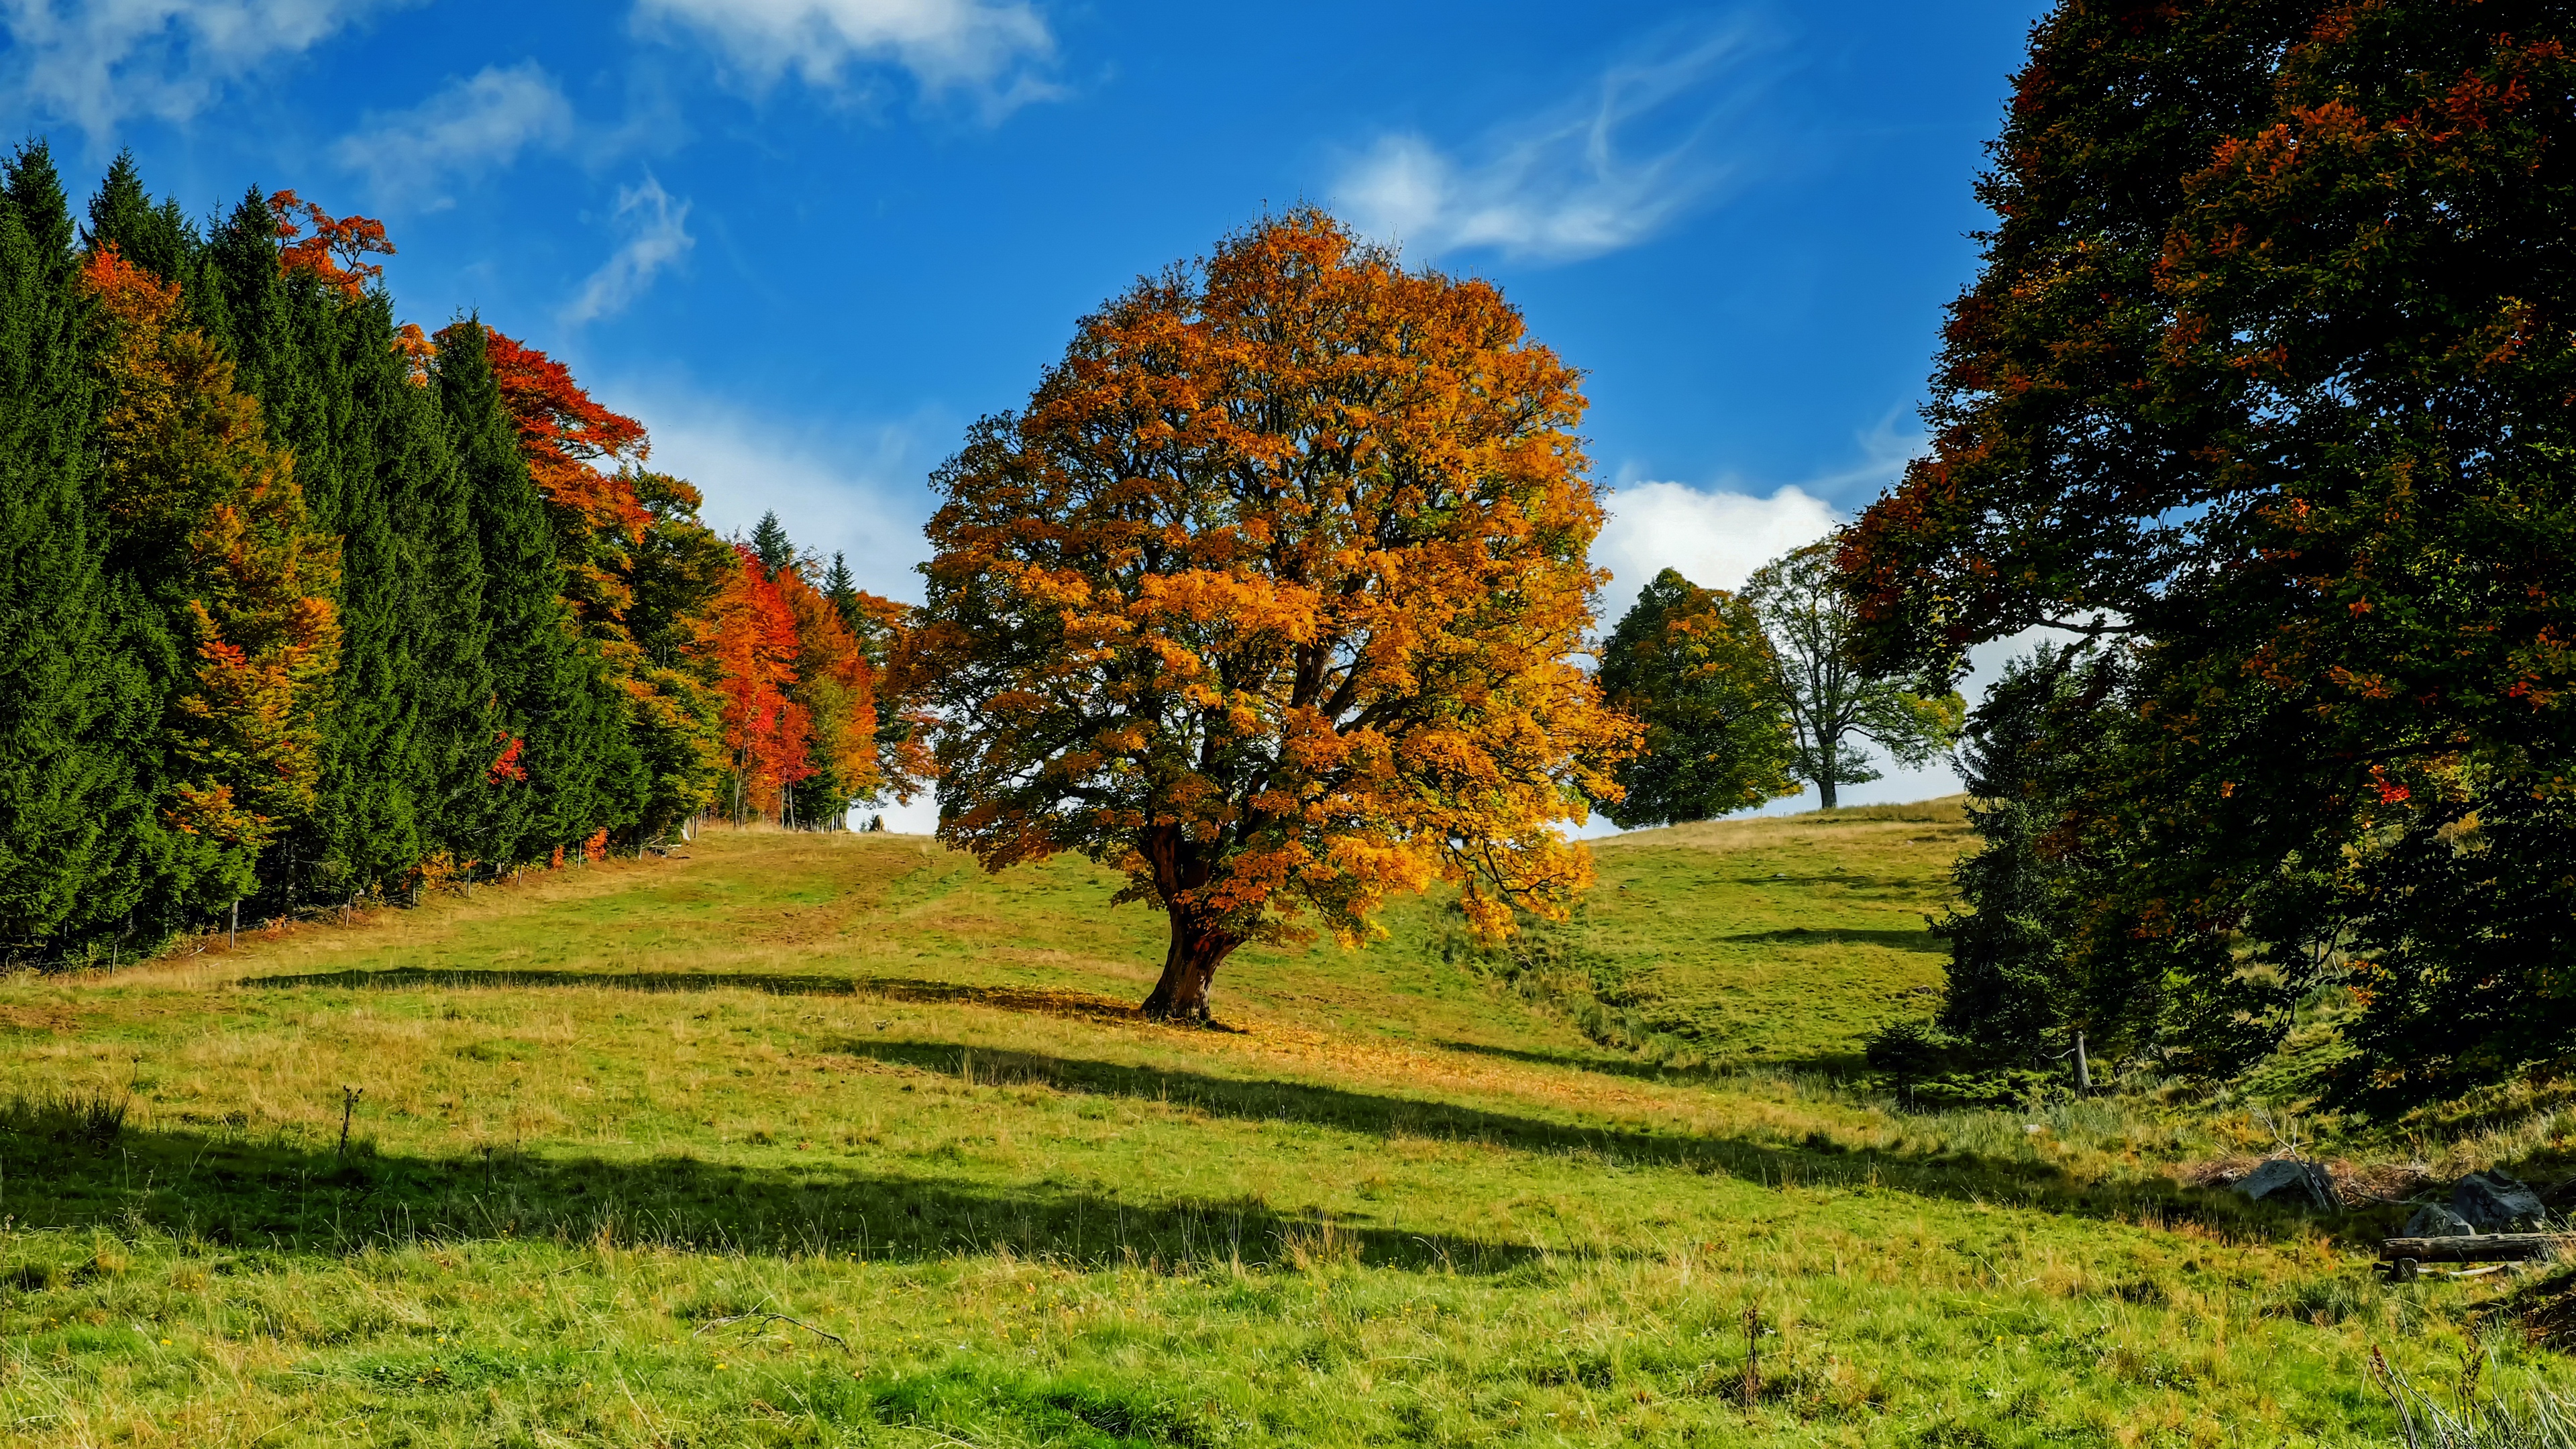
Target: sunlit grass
816,1139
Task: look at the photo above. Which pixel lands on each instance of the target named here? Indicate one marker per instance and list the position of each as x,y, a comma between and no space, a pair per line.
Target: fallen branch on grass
767,1316
2481,1248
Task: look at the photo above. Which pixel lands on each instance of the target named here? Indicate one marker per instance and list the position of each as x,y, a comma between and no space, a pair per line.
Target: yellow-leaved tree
1270,600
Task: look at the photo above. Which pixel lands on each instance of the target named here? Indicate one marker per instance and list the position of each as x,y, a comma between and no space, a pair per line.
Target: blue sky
807,241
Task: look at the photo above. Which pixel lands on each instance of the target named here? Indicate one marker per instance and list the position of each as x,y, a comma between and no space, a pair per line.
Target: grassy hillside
834,1140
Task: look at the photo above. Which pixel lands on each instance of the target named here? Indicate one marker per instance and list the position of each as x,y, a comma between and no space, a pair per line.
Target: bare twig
768,1317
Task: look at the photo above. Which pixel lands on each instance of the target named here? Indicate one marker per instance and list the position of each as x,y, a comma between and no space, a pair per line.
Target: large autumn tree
1268,601
2269,371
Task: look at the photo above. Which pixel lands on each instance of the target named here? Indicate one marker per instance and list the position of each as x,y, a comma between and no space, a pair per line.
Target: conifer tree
2014,983
385,446
564,763
65,786
770,542
156,238
843,590
453,687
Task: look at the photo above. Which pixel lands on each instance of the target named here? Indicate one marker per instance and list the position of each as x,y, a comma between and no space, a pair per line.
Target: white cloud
1557,186
1715,537
855,491
471,125
94,62
989,48
657,235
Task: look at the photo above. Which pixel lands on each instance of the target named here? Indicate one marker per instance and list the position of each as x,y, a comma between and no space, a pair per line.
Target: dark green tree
2017,990
769,540
2264,370
564,763
157,238
385,451
68,698
1691,664
842,589
2460,942
1832,702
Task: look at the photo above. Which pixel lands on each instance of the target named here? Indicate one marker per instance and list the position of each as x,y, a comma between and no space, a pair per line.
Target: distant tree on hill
1833,704
1691,664
1269,599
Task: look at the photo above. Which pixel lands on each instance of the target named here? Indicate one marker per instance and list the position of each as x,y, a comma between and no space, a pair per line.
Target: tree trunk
1826,756
1188,968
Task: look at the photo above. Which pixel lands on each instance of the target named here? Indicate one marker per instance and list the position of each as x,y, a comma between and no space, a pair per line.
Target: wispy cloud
96,63
995,50
472,125
657,236
1561,185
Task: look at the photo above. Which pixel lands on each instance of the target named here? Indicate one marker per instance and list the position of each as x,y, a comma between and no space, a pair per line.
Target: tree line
300,604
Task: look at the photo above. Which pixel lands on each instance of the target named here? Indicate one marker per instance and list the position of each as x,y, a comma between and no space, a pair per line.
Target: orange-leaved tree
751,637
838,687
1269,600
336,249
198,495
578,454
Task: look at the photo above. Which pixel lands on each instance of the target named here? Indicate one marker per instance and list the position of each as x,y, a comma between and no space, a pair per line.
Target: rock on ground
2302,1180
2492,1202
2433,1220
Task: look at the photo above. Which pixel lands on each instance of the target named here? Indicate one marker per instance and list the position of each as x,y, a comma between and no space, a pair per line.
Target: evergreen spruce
452,690
156,238
66,786
843,591
386,449
769,540
572,735
2020,990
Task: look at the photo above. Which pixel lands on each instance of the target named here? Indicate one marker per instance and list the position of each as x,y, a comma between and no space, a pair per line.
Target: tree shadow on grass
1894,939
1719,1070
1039,1000
237,1190
1816,1162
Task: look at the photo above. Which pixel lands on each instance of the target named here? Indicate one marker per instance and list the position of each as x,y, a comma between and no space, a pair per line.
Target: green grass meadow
830,1139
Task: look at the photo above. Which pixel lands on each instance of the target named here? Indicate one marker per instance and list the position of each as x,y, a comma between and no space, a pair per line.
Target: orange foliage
837,685
507,767
1270,600
189,474
417,352
751,637
337,250
566,436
